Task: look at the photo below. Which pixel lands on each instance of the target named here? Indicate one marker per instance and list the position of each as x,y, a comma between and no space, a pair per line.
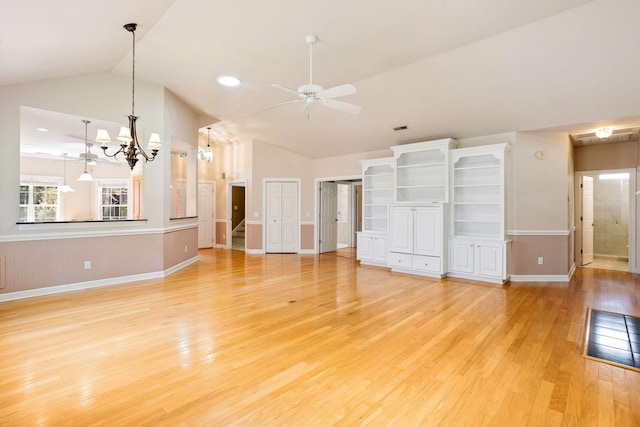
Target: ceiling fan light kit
312,93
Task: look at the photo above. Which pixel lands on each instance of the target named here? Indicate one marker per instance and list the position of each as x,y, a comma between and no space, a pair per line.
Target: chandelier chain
133,76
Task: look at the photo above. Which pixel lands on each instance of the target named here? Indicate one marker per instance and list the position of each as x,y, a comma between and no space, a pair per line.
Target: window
39,199
114,203
114,199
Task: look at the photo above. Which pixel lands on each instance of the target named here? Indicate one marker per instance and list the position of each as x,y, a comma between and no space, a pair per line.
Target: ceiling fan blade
268,107
284,88
337,91
342,106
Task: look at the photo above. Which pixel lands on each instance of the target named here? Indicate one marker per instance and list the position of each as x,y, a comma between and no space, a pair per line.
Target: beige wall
553,249
35,264
622,155
99,96
540,188
46,256
179,245
271,162
345,166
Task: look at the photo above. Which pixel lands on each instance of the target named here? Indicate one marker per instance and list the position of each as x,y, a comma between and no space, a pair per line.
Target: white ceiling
458,68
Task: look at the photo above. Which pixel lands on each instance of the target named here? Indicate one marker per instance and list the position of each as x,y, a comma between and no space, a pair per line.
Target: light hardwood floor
303,340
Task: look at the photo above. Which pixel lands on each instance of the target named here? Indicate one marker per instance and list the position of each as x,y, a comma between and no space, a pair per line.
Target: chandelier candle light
128,137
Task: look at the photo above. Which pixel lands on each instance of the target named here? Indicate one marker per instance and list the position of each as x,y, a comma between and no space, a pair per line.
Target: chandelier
128,137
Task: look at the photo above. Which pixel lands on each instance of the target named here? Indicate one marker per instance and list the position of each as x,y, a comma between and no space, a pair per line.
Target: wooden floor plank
281,339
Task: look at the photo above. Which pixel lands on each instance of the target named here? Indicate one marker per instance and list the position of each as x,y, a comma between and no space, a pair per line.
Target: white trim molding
538,232
540,278
98,229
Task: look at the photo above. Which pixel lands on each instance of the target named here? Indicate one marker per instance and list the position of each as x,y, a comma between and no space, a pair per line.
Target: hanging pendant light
64,188
208,153
128,136
86,176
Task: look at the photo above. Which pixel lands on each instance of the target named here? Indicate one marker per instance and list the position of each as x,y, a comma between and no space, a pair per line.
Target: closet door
289,218
282,217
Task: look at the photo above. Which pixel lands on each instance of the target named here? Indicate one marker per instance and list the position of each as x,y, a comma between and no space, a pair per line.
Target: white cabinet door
489,259
401,229
365,247
428,231
462,256
380,249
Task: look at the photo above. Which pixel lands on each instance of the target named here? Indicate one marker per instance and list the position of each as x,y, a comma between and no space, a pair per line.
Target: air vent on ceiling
397,128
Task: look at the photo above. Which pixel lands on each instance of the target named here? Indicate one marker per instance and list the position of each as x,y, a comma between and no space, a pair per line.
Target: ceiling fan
312,94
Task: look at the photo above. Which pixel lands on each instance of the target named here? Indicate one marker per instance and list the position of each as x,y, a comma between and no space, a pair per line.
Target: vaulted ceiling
440,67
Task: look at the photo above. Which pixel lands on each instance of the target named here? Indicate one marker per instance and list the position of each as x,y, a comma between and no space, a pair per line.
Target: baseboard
541,277
307,252
487,279
180,265
255,251
51,290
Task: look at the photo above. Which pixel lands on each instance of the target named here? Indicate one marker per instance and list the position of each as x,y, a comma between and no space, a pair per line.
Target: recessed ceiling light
229,81
42,129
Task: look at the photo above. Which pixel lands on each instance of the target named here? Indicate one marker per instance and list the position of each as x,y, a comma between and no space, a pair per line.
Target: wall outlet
185,249
540,260
87,265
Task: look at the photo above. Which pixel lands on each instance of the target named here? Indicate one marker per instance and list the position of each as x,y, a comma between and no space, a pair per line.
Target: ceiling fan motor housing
309,90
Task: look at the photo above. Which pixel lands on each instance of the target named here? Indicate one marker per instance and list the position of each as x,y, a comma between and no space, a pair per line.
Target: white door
282,217
289,217
401,229
274,217
428,239
206,214
328,217
587,220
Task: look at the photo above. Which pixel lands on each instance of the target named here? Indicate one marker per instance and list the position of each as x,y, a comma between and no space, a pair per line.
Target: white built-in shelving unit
478,247
422,171
378,185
